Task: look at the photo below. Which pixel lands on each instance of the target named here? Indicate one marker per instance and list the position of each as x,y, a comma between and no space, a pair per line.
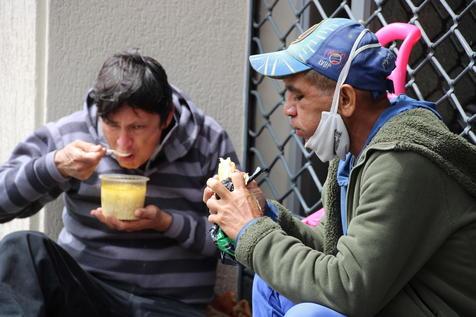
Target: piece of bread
226,167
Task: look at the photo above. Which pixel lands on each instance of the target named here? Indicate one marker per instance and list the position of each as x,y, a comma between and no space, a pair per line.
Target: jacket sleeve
390,237
293,226
192,230
29,179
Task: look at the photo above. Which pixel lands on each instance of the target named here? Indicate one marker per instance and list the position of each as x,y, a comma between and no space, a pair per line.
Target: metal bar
361,10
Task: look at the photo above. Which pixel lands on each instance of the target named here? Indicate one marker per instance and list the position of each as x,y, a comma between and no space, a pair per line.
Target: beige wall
50,52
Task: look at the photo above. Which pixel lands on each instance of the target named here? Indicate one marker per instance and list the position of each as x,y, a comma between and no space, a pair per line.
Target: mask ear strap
345,71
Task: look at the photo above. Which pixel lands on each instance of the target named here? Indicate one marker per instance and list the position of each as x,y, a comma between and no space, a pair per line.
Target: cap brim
277,64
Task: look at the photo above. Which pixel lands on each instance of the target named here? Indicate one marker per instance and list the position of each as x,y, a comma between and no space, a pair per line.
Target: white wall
20,109
51,51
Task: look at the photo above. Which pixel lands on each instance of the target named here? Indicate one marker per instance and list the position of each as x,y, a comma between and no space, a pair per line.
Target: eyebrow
112,122
107,120
292,88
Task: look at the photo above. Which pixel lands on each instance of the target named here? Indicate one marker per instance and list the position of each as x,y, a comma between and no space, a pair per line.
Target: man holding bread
399,234
160,264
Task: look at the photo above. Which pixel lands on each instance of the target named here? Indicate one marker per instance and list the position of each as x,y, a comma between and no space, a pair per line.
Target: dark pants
39,278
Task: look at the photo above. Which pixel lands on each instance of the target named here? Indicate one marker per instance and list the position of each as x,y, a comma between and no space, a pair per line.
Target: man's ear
169,118
347,100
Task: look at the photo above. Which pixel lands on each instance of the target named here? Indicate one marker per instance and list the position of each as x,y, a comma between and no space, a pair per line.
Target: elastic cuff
53,169
175,227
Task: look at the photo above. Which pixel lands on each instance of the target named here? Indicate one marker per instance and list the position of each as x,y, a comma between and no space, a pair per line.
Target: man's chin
299,133
129,165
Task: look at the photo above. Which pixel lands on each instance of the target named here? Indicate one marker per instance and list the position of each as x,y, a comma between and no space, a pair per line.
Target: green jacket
410,249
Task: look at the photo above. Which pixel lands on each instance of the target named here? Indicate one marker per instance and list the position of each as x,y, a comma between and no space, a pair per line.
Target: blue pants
268,302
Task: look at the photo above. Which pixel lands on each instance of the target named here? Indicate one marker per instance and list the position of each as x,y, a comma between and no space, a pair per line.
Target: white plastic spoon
116,153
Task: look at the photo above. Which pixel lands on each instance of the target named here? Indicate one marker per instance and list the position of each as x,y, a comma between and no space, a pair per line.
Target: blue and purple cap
325,48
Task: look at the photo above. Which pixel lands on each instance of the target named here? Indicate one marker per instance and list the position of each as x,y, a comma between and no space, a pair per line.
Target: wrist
58,160
164,223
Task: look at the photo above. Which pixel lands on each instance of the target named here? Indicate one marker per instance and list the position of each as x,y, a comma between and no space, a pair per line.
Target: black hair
324,84
132,79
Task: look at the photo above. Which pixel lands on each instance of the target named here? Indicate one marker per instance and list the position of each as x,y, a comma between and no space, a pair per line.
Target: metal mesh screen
441,69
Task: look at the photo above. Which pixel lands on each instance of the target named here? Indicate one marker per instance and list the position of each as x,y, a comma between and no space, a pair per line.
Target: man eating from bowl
164,262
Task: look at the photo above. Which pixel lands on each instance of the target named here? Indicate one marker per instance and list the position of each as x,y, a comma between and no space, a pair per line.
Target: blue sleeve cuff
243,229
271,211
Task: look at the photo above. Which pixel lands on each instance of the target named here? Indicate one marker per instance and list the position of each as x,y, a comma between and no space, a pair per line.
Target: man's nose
289,109
124,140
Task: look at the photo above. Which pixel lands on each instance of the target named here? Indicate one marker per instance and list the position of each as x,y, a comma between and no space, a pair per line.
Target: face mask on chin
331,139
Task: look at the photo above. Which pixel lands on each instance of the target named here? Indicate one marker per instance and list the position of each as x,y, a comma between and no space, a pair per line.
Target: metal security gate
441,69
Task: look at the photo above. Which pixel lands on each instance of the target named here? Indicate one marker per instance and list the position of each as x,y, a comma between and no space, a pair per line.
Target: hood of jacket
180,137
421,132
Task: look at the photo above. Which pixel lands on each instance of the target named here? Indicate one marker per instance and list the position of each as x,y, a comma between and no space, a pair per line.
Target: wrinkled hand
234,209
149,217
252,187
79,159
208,192
257,193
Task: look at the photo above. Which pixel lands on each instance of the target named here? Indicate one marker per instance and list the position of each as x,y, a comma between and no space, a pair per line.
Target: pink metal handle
315,218
410,34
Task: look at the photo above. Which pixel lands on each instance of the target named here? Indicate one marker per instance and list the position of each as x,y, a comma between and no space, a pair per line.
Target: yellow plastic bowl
122,194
